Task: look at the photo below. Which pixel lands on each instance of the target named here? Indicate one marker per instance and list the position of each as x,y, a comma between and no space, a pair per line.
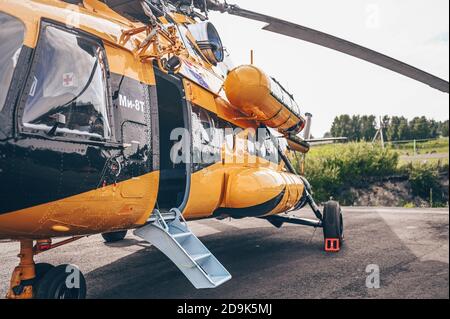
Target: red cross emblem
68,79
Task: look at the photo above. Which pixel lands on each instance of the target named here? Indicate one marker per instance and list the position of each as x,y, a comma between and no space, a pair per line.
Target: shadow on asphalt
285,263
127,243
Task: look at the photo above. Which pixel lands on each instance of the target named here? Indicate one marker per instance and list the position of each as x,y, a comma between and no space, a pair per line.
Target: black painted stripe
253,211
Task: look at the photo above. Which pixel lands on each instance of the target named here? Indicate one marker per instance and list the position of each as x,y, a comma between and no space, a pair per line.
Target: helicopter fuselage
87,130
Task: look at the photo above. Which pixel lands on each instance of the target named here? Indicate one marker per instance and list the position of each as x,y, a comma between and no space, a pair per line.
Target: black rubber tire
41,270
333,221
53,285
114,236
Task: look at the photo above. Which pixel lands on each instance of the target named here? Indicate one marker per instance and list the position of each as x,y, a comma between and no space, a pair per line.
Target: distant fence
417,141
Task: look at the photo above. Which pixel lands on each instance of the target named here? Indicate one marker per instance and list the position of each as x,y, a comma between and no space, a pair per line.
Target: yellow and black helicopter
123,114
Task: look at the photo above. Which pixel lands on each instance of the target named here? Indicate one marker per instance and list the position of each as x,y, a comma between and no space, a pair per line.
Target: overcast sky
327,83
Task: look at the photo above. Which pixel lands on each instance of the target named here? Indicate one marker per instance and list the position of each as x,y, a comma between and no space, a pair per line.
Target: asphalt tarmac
409,247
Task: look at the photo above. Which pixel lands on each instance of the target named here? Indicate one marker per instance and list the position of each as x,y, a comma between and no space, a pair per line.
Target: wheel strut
315,208
22,279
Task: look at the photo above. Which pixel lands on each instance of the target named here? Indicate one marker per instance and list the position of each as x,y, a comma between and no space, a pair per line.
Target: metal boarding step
170,234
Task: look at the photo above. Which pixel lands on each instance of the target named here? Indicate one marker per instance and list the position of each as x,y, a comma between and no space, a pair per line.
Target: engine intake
208,40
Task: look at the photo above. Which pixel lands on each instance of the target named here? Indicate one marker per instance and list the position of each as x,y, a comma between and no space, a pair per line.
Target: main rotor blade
310,35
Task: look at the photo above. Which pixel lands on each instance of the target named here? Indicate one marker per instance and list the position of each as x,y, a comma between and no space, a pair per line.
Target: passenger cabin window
206,138
227,130
67,92
12,33
272,143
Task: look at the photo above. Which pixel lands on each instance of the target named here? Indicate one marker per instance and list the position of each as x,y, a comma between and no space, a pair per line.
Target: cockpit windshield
12,33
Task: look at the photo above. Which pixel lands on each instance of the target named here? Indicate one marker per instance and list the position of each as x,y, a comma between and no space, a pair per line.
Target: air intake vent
208,40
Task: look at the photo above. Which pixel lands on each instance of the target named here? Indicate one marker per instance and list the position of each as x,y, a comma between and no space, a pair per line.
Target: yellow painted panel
234,186
123,62
95,19
199,96
226,111
206,192
252,187
294,192
97,211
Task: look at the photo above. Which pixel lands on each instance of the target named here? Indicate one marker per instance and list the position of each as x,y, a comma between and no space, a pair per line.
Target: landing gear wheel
62,282
114,236
333,226
41,270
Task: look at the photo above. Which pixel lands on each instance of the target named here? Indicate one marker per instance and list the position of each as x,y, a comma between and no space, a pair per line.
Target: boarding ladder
170,233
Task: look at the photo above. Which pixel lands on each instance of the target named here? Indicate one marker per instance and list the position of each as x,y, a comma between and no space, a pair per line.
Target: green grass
335,169
327,149
438,146
431,161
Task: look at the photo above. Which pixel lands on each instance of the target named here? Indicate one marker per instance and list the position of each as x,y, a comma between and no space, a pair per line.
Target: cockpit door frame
177,81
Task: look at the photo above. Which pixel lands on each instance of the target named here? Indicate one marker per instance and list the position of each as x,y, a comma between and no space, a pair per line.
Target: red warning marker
43,245
332,245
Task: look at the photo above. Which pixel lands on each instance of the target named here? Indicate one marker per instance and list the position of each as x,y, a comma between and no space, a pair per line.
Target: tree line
395,128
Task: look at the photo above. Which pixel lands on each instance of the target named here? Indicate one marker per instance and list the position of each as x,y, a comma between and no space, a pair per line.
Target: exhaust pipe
307,130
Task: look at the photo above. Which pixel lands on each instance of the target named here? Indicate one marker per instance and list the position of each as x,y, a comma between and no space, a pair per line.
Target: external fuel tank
263,99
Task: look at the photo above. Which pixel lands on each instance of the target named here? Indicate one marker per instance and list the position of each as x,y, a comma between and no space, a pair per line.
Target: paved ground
409,245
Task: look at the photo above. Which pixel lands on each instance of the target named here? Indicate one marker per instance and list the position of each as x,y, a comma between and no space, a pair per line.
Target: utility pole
307,129
380,133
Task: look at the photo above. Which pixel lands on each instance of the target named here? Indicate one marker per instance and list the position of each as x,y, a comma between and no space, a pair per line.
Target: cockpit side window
12,33
68,89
